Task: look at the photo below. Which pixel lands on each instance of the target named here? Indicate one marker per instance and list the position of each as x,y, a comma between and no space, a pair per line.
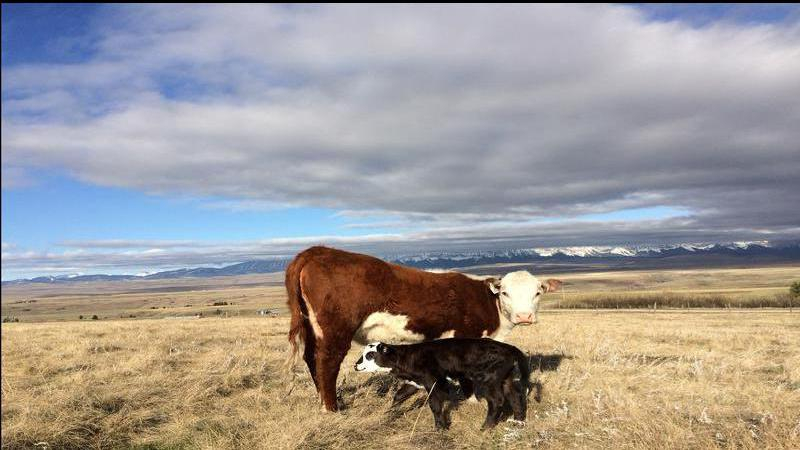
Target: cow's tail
297,329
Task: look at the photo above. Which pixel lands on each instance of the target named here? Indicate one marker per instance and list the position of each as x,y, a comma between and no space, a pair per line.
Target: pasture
620,378
633,379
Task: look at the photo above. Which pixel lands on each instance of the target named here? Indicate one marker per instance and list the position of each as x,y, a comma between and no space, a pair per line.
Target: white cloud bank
451,114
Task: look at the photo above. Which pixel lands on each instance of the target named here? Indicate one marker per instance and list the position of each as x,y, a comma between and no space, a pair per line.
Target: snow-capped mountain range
594,253
628,256
590,251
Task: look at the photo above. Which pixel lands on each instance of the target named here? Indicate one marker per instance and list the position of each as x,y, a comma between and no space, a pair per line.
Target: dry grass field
725,378
763,287
143,299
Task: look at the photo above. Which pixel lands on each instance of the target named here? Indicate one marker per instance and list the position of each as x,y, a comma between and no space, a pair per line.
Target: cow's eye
369,356
504,293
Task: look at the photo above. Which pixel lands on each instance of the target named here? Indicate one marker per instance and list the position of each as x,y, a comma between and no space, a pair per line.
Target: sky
138,138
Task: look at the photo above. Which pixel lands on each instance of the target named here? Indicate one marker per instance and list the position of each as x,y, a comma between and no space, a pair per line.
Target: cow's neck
505,326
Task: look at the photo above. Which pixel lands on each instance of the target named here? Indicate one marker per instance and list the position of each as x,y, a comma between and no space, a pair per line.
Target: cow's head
376,357
519,294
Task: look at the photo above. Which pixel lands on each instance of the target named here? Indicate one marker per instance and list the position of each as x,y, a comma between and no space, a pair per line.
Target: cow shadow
546,363
379,383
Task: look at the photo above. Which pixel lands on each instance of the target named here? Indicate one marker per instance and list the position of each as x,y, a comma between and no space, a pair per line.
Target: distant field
694,288
244,295
719,379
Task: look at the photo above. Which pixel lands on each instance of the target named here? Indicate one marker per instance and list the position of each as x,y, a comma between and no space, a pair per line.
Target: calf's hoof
488,426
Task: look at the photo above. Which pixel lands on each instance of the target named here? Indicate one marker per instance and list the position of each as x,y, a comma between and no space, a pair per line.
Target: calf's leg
494,396
437,401
514,394
406,390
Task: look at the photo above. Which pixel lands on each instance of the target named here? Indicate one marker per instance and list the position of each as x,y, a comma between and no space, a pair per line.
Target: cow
499,372
337,297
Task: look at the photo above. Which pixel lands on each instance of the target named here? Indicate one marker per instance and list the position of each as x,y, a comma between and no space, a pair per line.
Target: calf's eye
369,356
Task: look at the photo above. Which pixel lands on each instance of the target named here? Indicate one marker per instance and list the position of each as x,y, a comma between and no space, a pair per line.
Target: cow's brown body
331,293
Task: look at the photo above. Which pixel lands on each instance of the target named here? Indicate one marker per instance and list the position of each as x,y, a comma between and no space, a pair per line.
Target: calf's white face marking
366,363
386,327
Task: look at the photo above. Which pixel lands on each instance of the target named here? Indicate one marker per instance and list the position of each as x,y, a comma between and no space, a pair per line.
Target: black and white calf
498,372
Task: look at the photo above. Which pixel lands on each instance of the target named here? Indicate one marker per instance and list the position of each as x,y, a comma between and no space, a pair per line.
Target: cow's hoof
519,423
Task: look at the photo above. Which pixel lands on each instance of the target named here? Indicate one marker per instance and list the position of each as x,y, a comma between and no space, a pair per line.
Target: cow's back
351,288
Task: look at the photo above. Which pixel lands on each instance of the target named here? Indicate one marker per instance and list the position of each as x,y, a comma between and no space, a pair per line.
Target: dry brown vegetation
725,379
145,299
626,379
766,287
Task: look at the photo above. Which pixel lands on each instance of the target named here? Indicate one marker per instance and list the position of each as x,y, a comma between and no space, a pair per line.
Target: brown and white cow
336,297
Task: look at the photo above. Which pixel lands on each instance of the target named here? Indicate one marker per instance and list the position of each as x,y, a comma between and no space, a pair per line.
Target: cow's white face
519,294
366,363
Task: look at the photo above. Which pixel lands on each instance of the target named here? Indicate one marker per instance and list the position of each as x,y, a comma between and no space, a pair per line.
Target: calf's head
519,294
376,357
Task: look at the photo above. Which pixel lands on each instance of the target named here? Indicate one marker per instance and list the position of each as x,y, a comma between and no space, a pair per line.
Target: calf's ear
551,285
493,284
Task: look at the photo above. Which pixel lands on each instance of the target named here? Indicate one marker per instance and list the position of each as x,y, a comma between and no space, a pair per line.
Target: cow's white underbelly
386,327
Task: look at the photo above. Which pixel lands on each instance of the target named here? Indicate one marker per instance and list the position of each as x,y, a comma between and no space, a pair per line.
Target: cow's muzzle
524,319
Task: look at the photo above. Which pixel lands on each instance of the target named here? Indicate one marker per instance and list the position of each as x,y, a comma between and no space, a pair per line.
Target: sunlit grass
629,380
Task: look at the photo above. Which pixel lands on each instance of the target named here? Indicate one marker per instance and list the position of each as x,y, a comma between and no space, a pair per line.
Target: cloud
432,115
16,177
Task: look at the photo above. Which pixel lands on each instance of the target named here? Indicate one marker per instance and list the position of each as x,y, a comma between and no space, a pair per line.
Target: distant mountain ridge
445,260
735,251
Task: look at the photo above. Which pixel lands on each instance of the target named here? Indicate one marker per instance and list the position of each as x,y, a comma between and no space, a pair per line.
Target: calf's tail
523,363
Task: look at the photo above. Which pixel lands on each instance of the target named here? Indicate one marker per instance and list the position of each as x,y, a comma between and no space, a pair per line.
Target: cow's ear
494,285
551,285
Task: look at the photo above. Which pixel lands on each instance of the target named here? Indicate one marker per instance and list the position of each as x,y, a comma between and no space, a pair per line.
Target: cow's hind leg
309,354
328,360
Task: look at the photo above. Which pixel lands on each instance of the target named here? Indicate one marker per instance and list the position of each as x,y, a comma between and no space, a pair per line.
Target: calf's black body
498,373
